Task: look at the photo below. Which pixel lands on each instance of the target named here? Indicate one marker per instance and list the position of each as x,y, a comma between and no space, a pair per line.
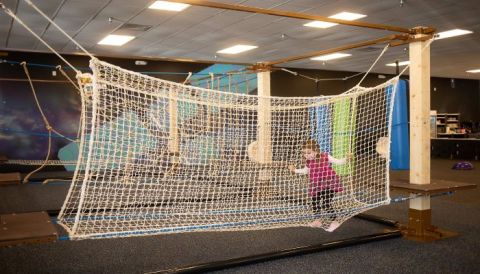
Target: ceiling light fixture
116,40
451,33
329,57
320,24
170,6
403,63
474,71
237,49
348,16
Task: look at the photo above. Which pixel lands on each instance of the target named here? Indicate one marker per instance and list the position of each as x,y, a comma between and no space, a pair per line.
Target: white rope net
161,157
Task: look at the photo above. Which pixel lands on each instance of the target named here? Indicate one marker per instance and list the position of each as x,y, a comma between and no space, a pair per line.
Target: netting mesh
161,157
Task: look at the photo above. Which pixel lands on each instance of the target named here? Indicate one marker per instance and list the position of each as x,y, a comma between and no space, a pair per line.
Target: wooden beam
341,48
411,40
435,186
26,228
10,178
290,14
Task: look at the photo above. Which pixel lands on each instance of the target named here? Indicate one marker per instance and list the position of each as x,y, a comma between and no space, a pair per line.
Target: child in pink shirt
324,181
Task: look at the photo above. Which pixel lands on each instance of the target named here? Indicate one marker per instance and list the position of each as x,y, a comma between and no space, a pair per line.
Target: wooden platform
26,228
10,178
435,186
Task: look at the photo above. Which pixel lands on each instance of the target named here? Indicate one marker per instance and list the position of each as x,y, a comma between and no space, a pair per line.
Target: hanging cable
11,14
49,128
320,79
25,180
188,78
212,78
39,107
59,68
373,65
59,29
424,48
79,91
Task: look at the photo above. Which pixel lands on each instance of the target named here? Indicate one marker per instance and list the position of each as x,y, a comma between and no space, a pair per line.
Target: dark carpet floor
460,212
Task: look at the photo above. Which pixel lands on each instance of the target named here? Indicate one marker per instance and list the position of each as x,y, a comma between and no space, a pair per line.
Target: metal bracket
260,67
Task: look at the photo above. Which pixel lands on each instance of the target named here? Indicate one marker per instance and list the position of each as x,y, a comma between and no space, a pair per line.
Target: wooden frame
11,178
389,38
419,226
297,15
26,228
435,186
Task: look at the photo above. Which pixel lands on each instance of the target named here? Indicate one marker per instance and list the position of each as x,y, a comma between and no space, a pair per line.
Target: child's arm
342,161
298,170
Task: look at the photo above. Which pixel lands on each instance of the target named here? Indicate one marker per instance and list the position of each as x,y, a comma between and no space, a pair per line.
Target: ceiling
198,32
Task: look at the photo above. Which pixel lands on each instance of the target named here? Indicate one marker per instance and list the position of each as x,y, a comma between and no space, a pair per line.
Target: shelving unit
448,125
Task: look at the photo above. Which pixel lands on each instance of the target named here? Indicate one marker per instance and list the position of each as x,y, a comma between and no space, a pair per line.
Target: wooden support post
264,118
419,212
174,141
420,114
419,224
264,131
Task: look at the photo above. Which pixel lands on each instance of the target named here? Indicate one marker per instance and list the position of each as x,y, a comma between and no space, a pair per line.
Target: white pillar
264,116
264,130
420,119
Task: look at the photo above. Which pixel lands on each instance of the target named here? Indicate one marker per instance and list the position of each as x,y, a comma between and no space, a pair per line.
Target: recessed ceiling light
171,6
474,71
237,49
320,24
330,56
116,40
451,33
348,16
403,63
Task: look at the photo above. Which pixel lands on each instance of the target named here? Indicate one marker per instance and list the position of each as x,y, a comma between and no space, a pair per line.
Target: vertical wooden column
174,141
264,134
419,212
264,130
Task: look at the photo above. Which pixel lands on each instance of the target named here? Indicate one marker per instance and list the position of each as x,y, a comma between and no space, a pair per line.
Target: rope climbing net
162,157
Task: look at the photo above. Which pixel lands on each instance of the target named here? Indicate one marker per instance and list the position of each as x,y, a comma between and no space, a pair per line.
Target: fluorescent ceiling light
348,16
115,40
320,24
403,63
451,33
330,56
237,49
165,5
474,71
